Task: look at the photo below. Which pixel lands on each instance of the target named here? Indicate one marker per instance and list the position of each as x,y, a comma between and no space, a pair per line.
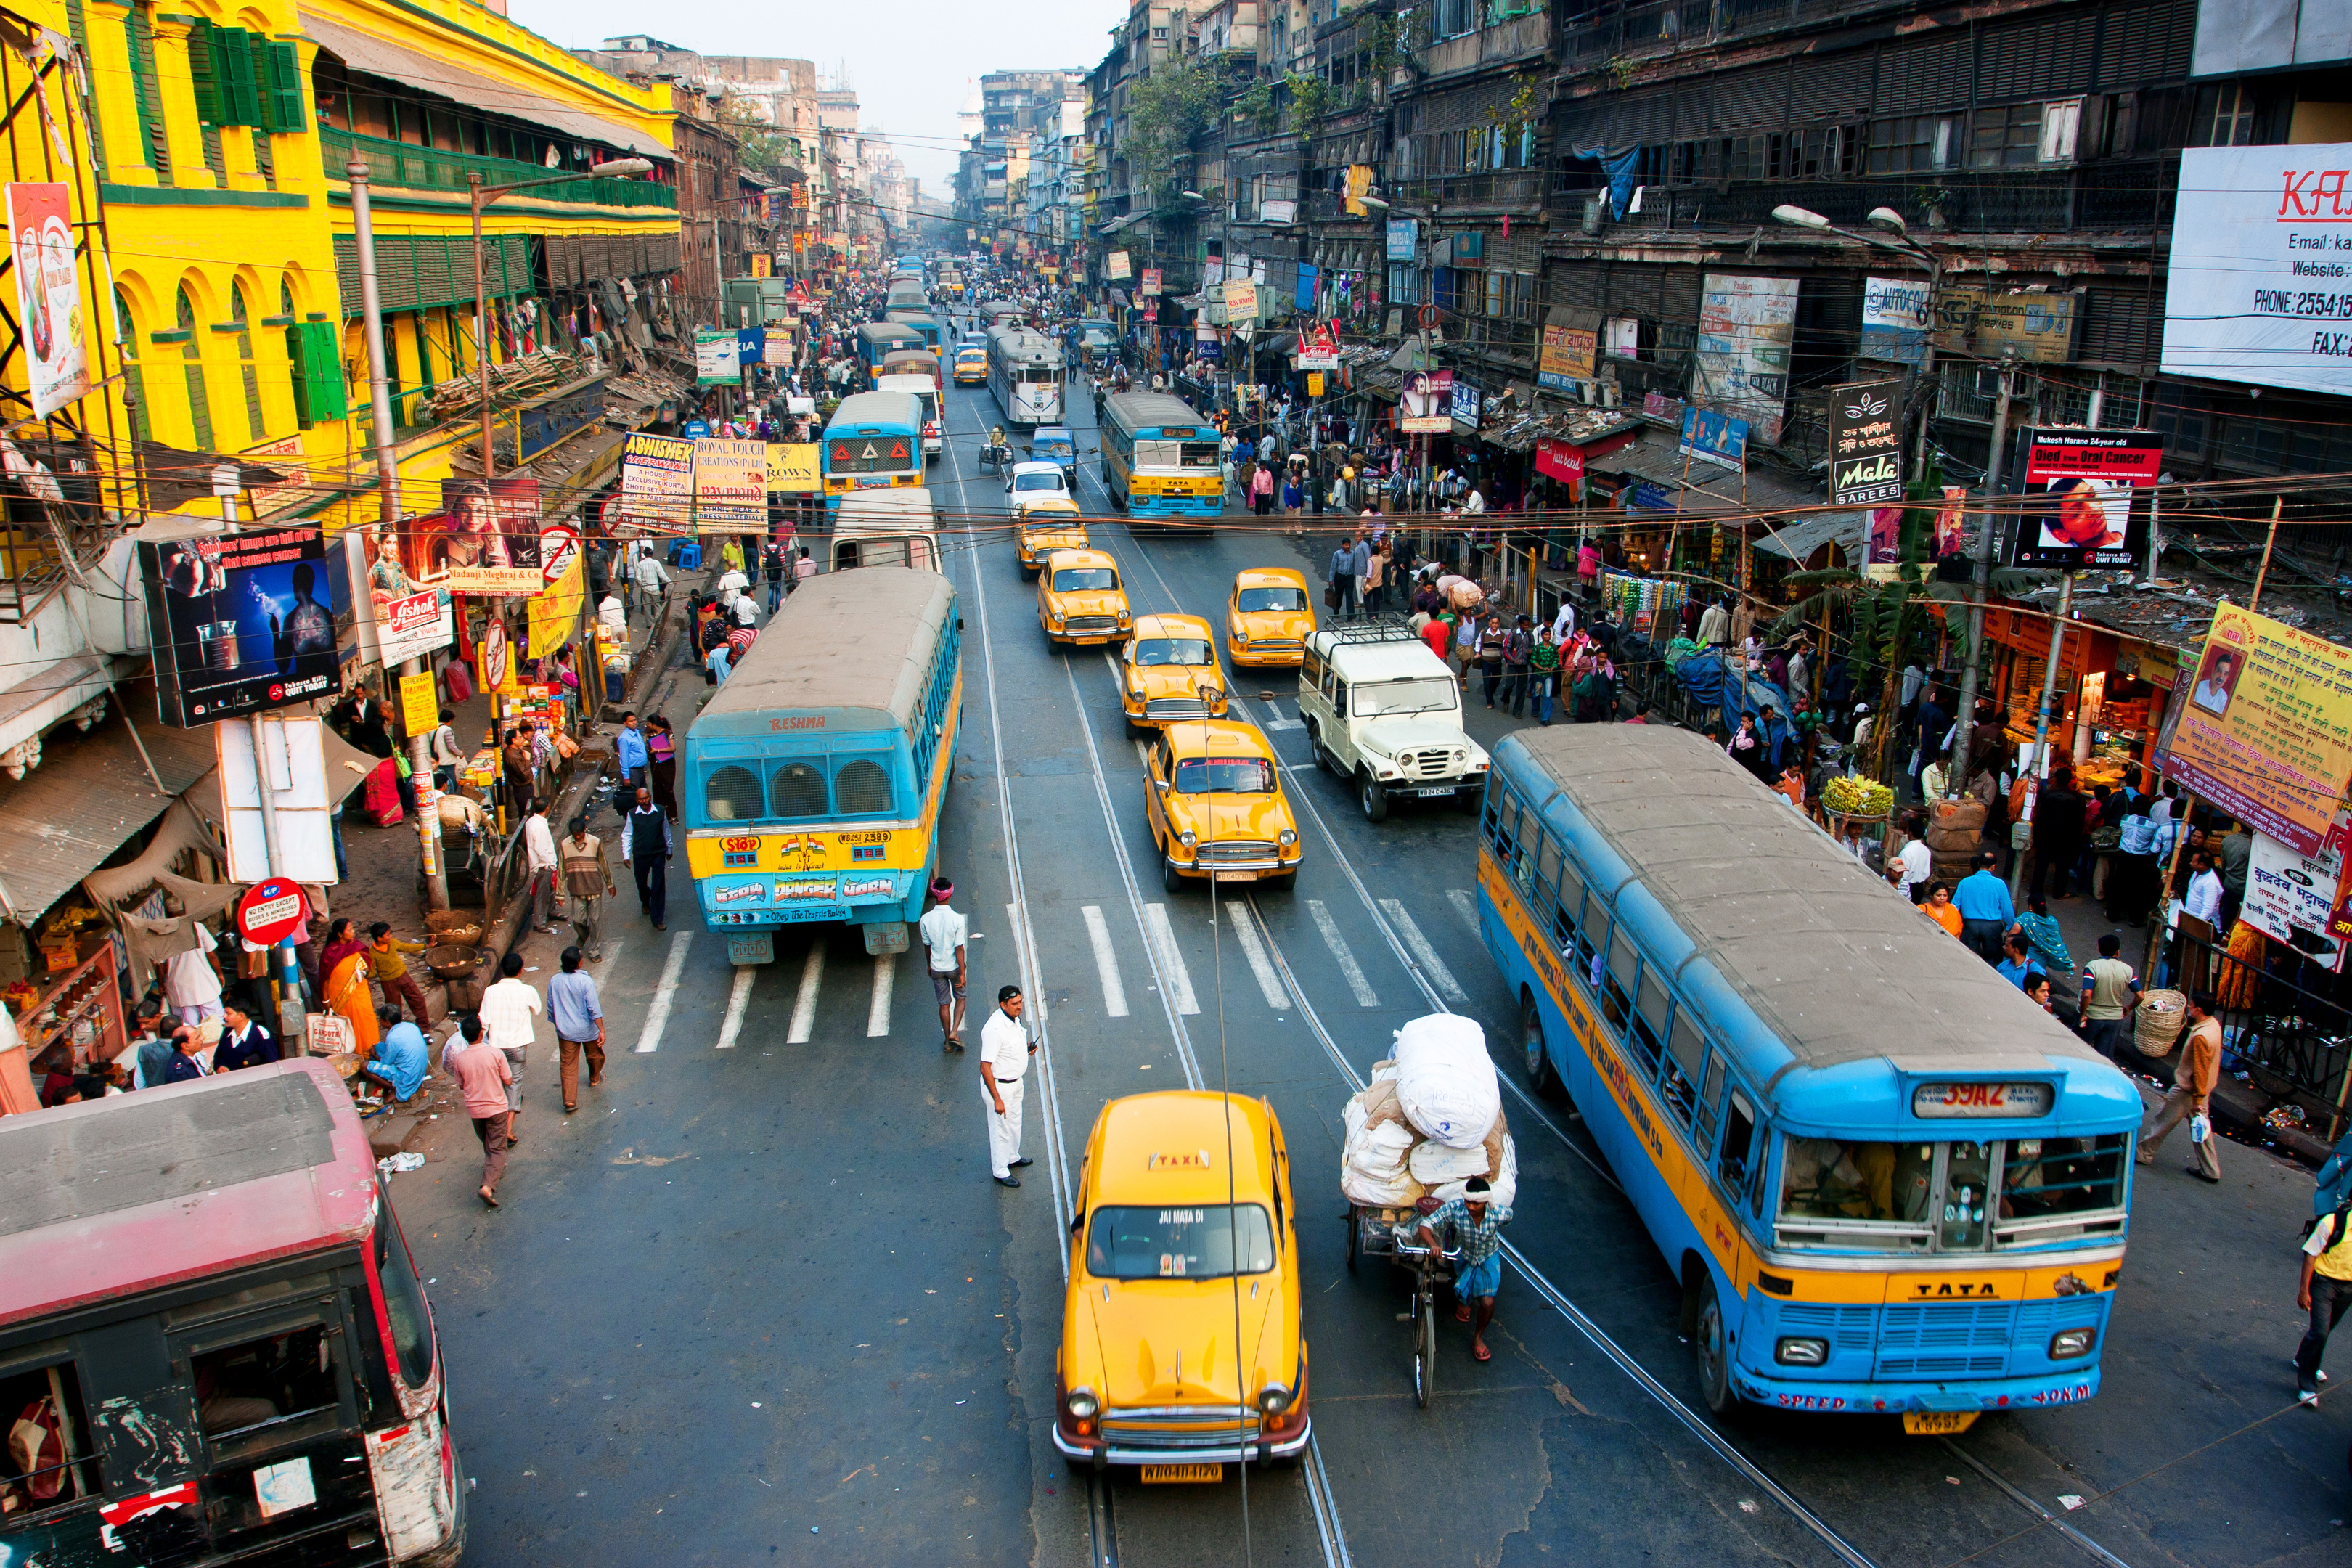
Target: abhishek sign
2260,284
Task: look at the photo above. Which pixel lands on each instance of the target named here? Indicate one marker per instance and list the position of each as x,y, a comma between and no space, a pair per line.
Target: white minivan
1384,712
925,391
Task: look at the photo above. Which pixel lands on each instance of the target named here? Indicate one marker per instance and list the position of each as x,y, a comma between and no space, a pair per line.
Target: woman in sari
345,968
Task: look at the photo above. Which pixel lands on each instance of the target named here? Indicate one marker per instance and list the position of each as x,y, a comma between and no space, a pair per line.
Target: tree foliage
1165,110
758,150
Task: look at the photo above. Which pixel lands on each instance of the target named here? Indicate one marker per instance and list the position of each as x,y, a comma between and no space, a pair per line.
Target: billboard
657,482
48,294
1240,302
1115,265
1425,402
241,623
1404,237
401,620
1865,443
486,539
718,357
731,486
2077,487
1467,402
2289,894
1746,328
2266,731
1566,356
1894,320
1713,438
793,468
2255,290
1150,284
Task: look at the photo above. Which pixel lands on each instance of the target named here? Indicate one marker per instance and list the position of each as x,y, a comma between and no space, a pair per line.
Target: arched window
251,372
731,795
134,385
200,408
862,789
796,790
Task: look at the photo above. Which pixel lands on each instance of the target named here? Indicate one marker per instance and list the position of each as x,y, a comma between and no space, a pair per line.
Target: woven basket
2158,1022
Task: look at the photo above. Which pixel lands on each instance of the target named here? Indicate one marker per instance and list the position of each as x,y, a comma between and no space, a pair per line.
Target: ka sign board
2260,284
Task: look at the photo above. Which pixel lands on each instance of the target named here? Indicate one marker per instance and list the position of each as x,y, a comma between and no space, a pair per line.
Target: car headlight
2068,1343
1274,1399
1286,837
1054,616
1122,617
1080,1403
1188,838
1802,1352
1211,694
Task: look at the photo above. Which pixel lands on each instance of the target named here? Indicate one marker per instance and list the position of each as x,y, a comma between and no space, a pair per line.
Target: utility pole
387,484
2033,759
1979,586
290,1008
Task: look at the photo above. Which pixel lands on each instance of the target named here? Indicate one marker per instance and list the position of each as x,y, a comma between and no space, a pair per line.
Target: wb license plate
1930,1423
1236,876
1161,1473
1425,793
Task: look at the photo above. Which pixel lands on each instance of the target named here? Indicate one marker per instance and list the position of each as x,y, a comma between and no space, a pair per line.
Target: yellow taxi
1169,671
1213,793
1080,599
1163,1258
970,366
1047,526
1269,617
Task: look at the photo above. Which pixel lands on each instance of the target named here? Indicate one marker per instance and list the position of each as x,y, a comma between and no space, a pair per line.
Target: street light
482,195
1375,203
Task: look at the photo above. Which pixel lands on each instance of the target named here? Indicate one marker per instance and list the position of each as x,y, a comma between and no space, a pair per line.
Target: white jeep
1384,712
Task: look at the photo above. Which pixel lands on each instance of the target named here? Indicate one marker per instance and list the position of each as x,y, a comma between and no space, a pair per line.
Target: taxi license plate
1172,1473
1236,876
1425,793
1928,1423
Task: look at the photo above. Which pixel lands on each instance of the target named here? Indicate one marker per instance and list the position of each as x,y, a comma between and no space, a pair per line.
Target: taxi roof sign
1196,1161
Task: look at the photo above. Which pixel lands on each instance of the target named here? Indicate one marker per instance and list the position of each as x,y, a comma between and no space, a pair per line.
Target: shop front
2106,703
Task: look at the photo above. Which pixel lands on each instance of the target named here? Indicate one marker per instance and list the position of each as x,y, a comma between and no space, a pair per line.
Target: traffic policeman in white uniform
1005,1049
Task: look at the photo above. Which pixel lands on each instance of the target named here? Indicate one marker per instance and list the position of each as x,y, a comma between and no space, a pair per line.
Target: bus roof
1151,410
1836,964
887,332
859,642
134,1192
875,408
901,506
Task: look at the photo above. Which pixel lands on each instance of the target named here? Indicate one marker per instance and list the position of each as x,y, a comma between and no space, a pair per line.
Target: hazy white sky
912,63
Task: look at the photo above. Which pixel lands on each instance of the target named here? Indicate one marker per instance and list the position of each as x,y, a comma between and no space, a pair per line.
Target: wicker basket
2157,1024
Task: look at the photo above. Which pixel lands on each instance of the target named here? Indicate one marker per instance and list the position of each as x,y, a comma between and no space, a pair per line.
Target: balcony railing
2131,195
1598,33
1517,188
407,167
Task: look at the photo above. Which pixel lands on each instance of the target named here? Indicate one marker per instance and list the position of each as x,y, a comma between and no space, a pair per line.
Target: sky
912,63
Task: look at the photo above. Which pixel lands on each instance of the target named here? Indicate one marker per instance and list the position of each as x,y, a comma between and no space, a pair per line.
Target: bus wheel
1711,1345
1375,800
1540,1076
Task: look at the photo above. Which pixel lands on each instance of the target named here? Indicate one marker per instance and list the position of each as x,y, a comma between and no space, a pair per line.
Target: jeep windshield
1380,698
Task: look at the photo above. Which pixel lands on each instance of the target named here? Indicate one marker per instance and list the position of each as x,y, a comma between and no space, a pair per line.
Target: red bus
210,1321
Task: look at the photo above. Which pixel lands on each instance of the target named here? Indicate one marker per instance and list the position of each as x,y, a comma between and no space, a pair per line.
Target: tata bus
874,442
812,780
213,1346
1888,1182
878,340
1025,372
1159,457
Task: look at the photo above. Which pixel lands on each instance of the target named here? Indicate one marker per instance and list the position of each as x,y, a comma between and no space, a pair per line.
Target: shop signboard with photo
2078,512
242,624
1425,402
485,540
2289,894
2266,732
399,620
48,293
1865,443
1713,437
657,482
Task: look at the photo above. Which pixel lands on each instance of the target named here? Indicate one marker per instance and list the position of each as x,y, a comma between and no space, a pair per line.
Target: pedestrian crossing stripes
1106,961
1466,905
804,1005
665,993
1349,970
1245,924
877,1010
1172,960
1422,953
739,998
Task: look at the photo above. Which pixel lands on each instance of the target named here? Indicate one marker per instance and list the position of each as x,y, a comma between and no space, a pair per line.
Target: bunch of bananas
1851,796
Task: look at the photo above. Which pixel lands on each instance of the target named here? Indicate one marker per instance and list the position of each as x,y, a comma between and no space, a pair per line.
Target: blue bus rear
874,442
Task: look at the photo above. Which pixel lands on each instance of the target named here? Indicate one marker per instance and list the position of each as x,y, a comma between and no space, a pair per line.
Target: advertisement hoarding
400,620
1746,328
1404,237
716,357
2256,289
1715,438
1240,302
48,294
731,486
1566,356
1150,283
657,482
2266,730
485,540
1467,403
2289,894
793,469
1865,443
1894,320
242,623
1425,402
2077,490
2033,328
1116,267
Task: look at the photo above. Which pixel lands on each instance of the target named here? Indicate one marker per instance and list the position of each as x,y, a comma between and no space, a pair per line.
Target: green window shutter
316,357
80,29
240,93
204,70
278,73
146,91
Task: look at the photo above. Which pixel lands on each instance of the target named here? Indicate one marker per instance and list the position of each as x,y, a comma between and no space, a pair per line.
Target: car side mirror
1078,1221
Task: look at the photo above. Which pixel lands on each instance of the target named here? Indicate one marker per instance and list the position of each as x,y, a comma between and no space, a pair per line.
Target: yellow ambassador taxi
1269,617
1148,1374
1169,671
970,366
1213,793
1080,598
1047,526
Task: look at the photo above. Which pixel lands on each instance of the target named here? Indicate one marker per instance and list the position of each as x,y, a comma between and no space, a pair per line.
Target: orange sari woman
346,986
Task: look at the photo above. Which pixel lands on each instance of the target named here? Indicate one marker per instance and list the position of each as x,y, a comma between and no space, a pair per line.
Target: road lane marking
804,1004
1141,755
1467,907
738,999
1433,965
665,993
877,1011
1172,961
1106,960
1245,932
1349,968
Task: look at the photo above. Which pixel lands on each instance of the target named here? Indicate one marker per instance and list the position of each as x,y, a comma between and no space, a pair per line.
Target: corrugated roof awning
49,693
88,795
442,78
1798,540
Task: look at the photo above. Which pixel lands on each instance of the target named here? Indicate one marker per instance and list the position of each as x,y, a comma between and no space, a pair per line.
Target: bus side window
1567,913
1546,873
1742,1161
1710,1098
1507,829
1686,1050
1617,987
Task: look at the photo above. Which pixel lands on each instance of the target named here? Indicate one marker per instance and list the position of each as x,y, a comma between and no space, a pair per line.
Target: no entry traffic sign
271,911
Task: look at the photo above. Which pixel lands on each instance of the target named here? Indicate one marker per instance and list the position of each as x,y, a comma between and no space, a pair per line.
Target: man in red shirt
482,1076
1439,634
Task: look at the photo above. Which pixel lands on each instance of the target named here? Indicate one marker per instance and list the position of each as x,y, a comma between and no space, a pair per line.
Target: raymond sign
1865,443
2266,732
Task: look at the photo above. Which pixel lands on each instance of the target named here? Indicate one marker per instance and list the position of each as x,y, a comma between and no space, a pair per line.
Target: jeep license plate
1153,1473
1425,793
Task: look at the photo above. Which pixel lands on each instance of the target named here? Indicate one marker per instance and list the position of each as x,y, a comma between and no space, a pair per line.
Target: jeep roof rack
1369,632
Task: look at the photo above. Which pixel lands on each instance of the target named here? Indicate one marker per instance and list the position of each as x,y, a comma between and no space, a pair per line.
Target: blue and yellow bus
1159,457
874,442
812,783
878,340
1887,1182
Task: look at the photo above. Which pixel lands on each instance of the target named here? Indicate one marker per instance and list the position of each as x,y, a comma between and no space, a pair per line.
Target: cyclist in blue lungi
1477,1225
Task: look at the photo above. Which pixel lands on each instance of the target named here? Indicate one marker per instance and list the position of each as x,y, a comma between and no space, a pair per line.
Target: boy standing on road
578,1019
944,935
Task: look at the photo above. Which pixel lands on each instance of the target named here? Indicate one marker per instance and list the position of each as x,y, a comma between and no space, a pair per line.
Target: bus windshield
1083,579
1374,698
1273,599
1954,1196
1042,374
1171,650
1224,775
1179,1244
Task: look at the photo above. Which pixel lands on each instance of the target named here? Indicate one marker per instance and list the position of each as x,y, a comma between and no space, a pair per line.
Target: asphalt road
759,1300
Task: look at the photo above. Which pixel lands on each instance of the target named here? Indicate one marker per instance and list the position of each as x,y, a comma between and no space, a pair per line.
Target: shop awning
88,795
1798,539
444,78
48,694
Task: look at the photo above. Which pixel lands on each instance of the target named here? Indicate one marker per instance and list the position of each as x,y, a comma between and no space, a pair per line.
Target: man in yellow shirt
2326,1294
